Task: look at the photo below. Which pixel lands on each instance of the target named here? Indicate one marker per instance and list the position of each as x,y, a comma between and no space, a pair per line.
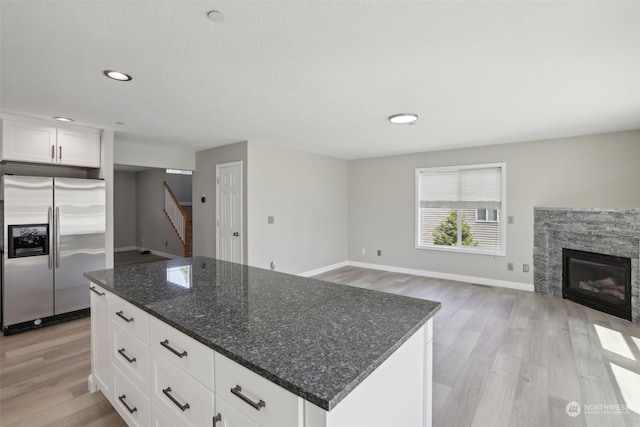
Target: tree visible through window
460,208
446,233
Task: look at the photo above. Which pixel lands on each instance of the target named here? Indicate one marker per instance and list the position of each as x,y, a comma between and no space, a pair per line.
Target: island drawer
131,356
264,402
193,357
131,403
179,394
130,317
228,416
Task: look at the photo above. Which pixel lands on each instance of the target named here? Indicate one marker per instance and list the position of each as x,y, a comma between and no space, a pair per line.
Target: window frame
502,250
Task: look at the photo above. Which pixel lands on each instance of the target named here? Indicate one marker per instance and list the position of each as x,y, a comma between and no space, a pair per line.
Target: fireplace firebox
599,281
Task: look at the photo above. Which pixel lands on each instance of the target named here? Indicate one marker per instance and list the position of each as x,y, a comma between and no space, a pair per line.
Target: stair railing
178,218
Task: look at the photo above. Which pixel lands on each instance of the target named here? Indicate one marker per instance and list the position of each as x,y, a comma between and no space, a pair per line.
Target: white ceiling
323,76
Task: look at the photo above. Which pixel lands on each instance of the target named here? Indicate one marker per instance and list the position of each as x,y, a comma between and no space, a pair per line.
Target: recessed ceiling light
215,15
120,123
403,118
63,119
117,75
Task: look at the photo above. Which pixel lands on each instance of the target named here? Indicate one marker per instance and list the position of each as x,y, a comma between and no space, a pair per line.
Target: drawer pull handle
129,408
121,315
93,289
216,419
167,392
166,345
121,351
237,390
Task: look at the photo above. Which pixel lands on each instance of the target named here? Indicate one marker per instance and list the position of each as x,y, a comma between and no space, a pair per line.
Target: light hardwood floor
501,358
513,358
43,379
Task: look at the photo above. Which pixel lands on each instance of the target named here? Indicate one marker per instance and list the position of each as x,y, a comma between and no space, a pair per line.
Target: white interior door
229,212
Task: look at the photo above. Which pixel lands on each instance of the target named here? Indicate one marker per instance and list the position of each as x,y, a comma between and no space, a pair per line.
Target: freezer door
27,281
80,239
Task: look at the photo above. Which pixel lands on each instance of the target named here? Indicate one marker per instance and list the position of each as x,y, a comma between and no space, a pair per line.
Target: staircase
180,218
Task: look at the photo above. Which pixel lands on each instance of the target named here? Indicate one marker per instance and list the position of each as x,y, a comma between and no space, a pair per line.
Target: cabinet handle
166,345
60,157
167,392
216,419
131,410
53,152
130,360
122,316
93,289
237,390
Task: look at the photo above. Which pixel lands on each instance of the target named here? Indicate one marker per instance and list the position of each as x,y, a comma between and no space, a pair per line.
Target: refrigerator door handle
50,240
57,237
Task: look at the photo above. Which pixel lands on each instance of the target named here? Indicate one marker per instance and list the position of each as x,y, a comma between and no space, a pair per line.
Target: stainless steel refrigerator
53,231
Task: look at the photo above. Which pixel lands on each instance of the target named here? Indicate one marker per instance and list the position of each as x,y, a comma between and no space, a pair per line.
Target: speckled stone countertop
317,339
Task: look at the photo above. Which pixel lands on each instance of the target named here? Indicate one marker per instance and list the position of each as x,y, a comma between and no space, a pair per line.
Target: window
487,215
460,208
179,172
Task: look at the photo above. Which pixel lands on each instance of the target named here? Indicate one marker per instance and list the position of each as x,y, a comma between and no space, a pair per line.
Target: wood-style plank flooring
501,358
43,379
513,358
135,257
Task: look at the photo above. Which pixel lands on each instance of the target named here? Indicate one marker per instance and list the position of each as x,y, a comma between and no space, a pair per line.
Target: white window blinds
461,188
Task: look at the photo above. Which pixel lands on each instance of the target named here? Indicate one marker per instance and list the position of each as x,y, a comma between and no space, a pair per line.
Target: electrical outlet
272,266
270,219
525,268
379,252
510,266
363,251
510,220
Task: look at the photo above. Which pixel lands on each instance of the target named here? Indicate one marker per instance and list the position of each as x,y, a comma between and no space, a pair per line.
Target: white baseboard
125,249
448,276
324,269
425,273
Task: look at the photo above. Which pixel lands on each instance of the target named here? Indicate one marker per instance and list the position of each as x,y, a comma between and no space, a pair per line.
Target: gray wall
124,206
152,225
204,183
590,171
181,185
307,195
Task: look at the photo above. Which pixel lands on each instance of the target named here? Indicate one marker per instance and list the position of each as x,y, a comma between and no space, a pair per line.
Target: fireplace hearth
598,281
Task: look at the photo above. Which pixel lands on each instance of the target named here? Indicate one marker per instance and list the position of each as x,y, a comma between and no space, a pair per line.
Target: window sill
455,249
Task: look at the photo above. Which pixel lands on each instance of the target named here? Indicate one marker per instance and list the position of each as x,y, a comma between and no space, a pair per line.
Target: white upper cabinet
27,142
78,148
23,141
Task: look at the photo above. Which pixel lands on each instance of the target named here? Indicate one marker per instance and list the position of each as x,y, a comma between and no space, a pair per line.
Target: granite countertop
317,339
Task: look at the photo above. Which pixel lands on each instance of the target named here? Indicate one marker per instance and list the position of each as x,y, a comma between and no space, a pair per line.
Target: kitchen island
198,341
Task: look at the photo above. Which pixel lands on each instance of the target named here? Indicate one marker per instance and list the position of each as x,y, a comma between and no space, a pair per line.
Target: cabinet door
78,147
27,142
101,369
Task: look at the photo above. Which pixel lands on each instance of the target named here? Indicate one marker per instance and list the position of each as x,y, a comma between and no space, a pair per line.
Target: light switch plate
270,219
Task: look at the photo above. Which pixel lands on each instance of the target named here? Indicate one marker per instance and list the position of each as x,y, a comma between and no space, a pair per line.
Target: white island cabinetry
155,375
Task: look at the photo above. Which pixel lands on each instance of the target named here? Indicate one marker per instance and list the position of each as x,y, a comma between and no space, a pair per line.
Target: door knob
235,233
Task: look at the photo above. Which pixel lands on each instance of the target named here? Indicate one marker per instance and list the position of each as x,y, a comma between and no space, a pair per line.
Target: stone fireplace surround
607,231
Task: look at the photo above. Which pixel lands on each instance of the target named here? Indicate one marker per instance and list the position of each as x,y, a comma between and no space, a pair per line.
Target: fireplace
612,231
598,281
